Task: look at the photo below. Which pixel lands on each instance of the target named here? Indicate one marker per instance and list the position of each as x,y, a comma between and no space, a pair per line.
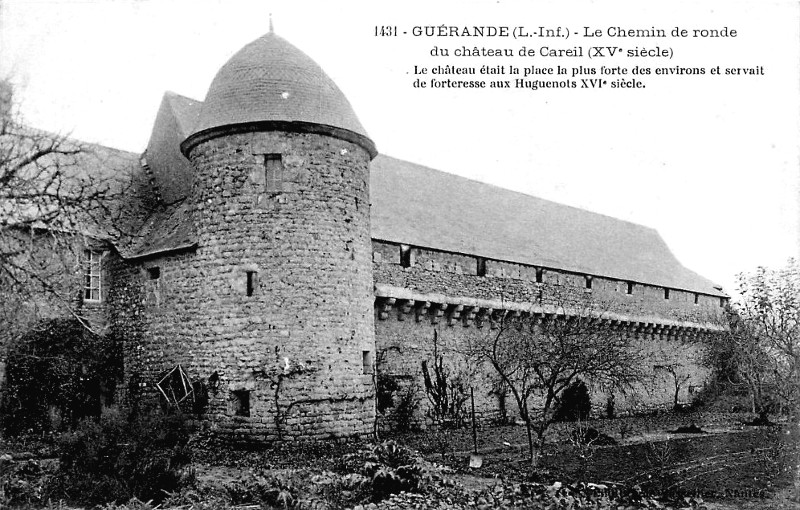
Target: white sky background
711,163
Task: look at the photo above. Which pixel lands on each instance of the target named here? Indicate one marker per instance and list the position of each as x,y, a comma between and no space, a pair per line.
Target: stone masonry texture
296,346
408,331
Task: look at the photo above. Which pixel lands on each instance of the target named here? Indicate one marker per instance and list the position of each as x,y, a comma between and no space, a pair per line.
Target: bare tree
537,356
55,193
761,346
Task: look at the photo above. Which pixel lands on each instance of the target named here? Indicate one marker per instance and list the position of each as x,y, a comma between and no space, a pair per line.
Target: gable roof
172,172
416,205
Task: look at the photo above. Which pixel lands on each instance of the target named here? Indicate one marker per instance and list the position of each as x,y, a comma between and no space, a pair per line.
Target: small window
241,403
722,302
273,173
481,266
91,274
251,282
539,275
588,282
696,298
630,288
367,362
154,273
406,260
666,293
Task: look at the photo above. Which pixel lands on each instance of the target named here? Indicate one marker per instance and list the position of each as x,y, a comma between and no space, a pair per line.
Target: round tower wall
286,305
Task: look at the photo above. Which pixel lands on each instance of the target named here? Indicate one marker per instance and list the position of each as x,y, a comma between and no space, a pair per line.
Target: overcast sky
710,162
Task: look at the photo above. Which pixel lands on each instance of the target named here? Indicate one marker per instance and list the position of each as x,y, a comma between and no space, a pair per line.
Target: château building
275,257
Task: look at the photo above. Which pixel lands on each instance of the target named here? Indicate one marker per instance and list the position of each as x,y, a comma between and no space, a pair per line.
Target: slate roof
419,206
271,80
168,228
176,117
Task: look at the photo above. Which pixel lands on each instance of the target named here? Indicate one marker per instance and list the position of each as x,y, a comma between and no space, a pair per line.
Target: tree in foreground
538,356
761,346
55,193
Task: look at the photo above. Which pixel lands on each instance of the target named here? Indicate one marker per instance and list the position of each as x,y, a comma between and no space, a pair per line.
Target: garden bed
729,462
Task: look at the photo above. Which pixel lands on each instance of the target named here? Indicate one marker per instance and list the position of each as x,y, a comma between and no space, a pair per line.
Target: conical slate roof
271,81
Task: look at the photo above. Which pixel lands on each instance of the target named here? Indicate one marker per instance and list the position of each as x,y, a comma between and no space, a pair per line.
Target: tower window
241,403
481,266
91,275
251,282
154,273
406,259
367,362
273,172
722,302
696,298
630,288
666,293
588,282
539,275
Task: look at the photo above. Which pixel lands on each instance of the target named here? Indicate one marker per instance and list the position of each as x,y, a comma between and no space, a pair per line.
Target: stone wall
403,345
273,311
452,274
457,299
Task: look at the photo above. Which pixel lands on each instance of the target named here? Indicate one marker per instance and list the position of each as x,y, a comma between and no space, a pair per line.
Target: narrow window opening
251,282
666,293
91,274
367,362
539,275
481,266
588,283
273,172
241,403
405,256
154,272
630,288
696,298
722,302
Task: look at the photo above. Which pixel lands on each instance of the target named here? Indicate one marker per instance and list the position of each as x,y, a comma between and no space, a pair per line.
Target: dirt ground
729,464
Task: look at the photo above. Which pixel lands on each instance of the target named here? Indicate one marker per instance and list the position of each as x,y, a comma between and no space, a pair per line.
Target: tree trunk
526,417
531,450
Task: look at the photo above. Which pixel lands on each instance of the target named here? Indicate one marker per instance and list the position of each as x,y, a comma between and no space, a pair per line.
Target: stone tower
281,209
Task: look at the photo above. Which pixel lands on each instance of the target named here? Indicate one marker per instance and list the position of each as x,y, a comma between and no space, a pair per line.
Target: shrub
57,372
384,393
115,459
392,469
591,436
575,403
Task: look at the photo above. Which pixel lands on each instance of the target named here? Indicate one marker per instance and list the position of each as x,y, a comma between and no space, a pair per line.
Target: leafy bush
575,403
392,469
386,386
21,482
57,372
114,459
